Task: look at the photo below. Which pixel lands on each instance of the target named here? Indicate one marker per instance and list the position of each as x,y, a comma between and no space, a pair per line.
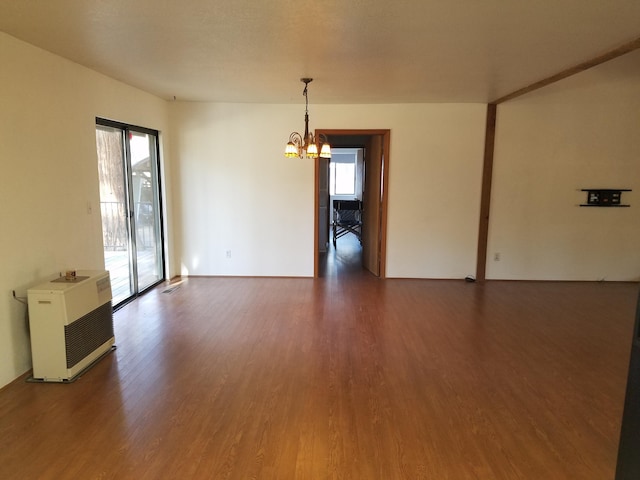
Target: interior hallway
343,260
345,376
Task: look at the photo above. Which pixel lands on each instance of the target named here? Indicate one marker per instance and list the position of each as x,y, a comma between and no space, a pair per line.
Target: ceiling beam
615,53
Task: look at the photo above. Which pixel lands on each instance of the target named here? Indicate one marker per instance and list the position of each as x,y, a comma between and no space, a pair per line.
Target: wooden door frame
386,143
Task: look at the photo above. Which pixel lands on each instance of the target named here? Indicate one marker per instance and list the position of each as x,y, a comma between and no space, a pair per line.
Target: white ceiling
358,51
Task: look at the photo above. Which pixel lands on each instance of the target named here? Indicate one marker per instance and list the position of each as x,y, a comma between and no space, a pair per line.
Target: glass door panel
114,209
130,207
146,209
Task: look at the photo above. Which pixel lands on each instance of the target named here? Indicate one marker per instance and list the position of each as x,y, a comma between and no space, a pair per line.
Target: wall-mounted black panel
604,197
628,467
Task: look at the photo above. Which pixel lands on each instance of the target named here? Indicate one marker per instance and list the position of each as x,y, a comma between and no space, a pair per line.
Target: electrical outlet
228,253
496,257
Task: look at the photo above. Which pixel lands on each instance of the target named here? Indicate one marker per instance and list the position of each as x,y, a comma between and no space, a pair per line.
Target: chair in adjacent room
347,218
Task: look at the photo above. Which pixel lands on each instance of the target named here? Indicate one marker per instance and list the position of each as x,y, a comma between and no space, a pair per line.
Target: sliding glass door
130,207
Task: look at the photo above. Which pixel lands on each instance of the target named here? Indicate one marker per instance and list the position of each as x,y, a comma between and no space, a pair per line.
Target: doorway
340,251
375,144
128,166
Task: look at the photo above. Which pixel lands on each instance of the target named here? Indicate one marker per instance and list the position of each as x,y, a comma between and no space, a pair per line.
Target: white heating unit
71,324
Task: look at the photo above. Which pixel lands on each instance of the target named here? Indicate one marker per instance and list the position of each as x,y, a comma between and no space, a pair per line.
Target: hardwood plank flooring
343,377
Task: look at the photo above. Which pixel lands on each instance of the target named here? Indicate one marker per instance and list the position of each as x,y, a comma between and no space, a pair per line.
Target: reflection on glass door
146,209
130,207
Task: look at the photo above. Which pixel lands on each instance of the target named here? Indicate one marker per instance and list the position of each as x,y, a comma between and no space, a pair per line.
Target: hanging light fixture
306,146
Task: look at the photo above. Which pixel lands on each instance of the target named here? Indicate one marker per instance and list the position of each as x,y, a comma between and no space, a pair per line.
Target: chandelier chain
305,146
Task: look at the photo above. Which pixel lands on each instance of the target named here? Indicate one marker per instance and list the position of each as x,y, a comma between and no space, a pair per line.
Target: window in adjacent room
342,178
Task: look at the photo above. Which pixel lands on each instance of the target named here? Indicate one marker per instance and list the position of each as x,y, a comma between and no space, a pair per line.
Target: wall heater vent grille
87,333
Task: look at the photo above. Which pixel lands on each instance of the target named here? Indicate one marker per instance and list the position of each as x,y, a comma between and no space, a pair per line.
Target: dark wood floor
343,377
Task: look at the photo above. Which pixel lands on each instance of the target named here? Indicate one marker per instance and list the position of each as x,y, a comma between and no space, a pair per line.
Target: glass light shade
291,150
325,151
312,150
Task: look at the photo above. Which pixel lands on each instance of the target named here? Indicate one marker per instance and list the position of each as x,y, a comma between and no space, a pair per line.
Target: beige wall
49,175
235,191
583,132
230,171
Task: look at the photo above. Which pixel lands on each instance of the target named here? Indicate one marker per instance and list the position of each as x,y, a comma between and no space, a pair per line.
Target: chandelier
306,146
